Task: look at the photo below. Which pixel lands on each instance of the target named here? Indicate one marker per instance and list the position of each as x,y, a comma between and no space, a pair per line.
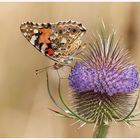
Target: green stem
101,131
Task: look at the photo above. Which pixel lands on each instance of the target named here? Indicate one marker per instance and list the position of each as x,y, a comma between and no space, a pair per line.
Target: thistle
104,84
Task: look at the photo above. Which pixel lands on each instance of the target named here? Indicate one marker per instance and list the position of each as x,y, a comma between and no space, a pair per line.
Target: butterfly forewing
57,41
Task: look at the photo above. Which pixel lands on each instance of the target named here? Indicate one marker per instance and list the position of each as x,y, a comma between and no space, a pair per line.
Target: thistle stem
101,131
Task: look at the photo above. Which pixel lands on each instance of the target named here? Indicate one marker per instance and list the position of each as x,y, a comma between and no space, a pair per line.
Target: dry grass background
23,97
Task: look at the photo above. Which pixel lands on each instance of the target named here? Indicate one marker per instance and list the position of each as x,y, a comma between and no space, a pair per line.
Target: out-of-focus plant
104,85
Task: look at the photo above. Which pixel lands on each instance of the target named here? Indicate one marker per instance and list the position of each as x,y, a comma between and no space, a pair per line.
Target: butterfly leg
42,69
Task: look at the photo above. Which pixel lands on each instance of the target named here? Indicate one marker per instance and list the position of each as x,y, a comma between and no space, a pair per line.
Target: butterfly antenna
42,69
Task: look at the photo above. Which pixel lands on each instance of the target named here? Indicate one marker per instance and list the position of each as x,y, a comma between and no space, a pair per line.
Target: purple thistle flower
104,80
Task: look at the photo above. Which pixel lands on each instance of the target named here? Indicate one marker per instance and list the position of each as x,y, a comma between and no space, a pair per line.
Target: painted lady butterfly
58,41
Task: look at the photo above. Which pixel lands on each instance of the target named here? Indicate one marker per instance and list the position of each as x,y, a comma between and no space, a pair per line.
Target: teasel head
104,85
104,82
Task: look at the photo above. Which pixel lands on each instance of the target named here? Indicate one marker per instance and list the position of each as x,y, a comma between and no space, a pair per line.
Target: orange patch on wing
44,37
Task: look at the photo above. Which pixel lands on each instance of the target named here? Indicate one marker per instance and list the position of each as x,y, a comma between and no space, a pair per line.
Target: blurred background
24,101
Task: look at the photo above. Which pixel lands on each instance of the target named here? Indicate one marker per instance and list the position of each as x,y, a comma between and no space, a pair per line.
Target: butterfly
58,41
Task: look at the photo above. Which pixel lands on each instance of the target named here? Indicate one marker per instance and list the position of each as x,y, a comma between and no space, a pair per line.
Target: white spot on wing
25,34
52,37
56,53
43,48
33,39
35,31
26,26
62,60
63,40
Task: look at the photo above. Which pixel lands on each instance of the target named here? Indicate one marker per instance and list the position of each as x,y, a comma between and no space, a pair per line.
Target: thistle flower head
104,81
